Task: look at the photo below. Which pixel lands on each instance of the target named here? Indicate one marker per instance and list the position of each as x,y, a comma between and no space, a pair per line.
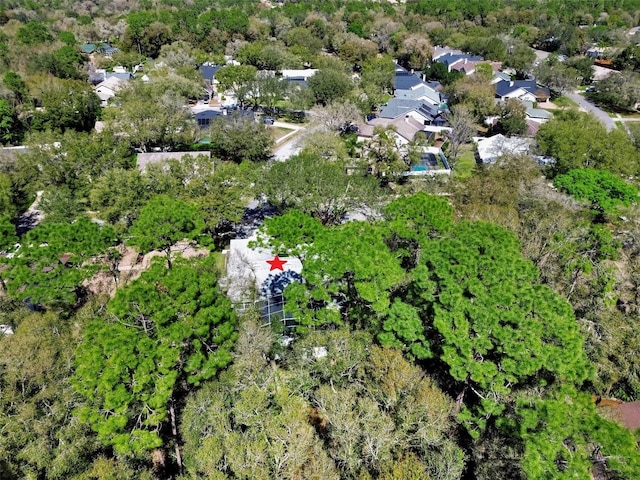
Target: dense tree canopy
165,332
467,334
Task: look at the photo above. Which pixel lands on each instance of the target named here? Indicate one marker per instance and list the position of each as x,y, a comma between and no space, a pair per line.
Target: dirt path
132,265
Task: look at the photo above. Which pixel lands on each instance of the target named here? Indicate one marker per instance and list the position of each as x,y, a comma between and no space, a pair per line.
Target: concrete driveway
587,106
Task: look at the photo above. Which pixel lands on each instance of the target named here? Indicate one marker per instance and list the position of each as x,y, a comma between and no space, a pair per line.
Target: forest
478,325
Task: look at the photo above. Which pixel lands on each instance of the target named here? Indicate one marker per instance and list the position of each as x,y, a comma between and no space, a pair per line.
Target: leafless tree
463,127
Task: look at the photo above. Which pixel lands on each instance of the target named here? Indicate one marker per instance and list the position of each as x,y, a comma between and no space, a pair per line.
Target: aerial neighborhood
319,240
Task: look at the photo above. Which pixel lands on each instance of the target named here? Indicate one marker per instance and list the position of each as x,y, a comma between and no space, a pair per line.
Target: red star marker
276,263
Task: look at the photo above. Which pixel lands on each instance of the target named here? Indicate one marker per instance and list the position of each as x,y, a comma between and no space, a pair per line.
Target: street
600,114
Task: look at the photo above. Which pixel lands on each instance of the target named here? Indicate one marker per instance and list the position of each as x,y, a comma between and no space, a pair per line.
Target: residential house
461,62
108,88
9,155
526,90
537,114
414,98
208,72
405,80
500,77
252,270
299,75
490,149
204,117
405,127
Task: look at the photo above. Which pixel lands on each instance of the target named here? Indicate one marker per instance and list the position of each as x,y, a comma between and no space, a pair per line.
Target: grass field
564,102
466,163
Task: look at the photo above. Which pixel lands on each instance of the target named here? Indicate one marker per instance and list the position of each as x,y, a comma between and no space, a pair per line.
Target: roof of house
299,82
209,113
366,130
145,159
397,107
439,51
88,48
208,71
420,92
299,74
405,80
126,76
247,268
490,148
406,127
450,59
500,76
9,155
112,83
504,88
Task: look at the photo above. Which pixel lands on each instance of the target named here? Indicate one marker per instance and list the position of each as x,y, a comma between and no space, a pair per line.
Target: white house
489,149
107,89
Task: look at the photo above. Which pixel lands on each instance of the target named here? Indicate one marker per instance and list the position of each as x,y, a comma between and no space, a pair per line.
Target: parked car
268,120
591,89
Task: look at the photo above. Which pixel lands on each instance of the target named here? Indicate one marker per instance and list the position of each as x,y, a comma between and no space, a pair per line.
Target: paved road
600,114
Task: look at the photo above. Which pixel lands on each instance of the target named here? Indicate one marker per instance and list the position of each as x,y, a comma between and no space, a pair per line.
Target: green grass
279,132
466,162
564,102
219,262
619,124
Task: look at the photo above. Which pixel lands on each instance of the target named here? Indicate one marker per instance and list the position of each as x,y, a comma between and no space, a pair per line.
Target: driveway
289,145
600,114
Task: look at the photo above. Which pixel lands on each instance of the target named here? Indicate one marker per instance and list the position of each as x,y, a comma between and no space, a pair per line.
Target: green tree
564,437
438,71
330,85
381,153
64,62
343,282
603,189
73,160
33,33
579,140
67,104
223,196
166,333
162,222
619,92
316,186
240,138
512,119
520,58
52,262
237,79
10,126
14,82
118,194
486,309
151,118
60,205
40,435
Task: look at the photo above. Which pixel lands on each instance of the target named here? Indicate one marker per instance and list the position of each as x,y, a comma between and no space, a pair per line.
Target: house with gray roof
458,61
527,90
108,88
405,80
208,71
